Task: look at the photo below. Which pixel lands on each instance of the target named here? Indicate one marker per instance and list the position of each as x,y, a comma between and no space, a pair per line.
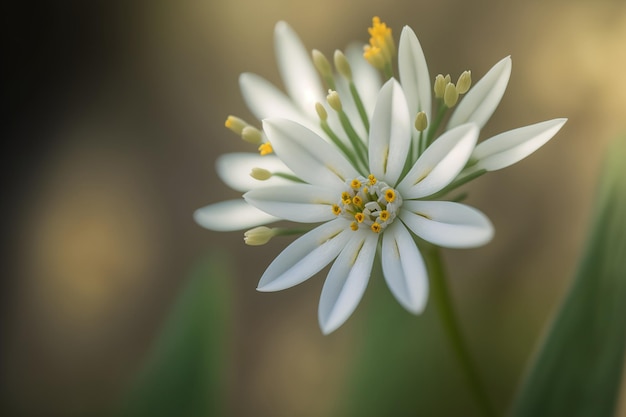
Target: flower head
368,171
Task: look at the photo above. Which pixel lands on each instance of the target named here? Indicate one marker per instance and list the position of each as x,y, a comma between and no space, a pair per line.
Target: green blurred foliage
186,372
578,370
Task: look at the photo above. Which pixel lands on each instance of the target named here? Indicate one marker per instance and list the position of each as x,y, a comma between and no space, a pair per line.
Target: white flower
362,169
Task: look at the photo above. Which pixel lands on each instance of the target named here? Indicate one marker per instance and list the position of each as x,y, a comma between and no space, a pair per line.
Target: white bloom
370,179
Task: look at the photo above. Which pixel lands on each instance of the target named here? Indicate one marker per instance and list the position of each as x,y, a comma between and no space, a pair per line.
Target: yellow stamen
376,227
265,149
235,124
384,215
390,195
342,65
372,179
451,95
356,184
421,121
334,101
321,111
346,198
357,201
252,135
354,226
382,47
359,217
464,82
336,210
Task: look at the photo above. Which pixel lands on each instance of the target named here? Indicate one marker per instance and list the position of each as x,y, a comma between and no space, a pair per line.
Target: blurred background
116,113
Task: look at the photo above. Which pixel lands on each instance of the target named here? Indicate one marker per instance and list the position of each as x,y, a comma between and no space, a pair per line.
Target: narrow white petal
227,216
440,163
404,269
510,147
482,99
366,77
306,256
296,69
390,133
414,75
265,100
303,203
234,169
448,224
307,155
347,280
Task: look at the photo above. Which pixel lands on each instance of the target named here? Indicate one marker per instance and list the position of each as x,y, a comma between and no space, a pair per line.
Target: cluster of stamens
368,203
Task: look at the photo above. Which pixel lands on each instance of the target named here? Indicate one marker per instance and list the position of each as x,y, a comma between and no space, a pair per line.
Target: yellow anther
258,236
336,210
265,149
334,101
440,86
342,65
354,226
252,135
390,195
235,124
359,217
384,215
464,82
371,180
321,111
421,121
357,201
365,190
376,227
346,198
382,47
355,184
451,95
260,174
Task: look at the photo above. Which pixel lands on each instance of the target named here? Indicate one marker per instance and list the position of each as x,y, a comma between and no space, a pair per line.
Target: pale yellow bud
321,111
334,101
252,135
421,121
464,82
258,236
260,174
440,86
322,64
342,65
235,124
451,95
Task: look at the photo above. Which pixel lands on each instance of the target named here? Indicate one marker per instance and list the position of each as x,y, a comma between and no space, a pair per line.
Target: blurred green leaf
185,373
578,370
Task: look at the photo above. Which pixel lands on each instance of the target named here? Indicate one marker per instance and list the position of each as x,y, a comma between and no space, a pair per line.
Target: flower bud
450,95
258,236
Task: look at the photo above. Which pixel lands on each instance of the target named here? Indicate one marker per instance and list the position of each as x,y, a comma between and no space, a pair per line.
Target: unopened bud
440,86
333,100
451,95
260,174
421,121
342,65
258,236
321,63
252,135
321,111
464,82
235,124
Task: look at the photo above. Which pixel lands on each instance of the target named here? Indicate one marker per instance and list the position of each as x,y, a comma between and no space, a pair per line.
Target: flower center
368,203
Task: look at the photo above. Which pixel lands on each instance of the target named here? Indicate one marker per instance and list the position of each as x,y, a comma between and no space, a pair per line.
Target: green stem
441,297
359,106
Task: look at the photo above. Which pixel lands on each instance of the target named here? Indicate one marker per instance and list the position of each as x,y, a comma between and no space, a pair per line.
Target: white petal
482,99
440,163
390,133
265,100
448,224
366,77
404,269
347,280
306,256
303,203
227,216
414,73
234,169
510,147
296,69
309,156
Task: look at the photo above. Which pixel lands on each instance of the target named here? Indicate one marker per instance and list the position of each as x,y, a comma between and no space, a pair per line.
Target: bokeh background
116,113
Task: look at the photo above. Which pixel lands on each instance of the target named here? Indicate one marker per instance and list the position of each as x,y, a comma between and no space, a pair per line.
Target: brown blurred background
116,118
